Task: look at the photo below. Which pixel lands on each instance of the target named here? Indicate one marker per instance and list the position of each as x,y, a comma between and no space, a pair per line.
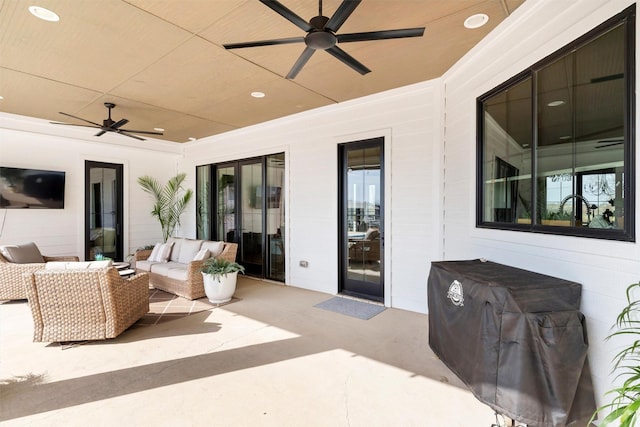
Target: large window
556,143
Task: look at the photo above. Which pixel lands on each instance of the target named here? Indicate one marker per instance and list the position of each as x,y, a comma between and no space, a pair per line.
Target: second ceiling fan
321,35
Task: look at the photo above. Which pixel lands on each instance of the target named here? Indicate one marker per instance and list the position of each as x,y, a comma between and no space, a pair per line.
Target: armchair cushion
78,265
22,254
11,271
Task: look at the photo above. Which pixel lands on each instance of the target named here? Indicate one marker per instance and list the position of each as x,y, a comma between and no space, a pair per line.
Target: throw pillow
215,248
202,254
154,253
22,254
176,242
165,252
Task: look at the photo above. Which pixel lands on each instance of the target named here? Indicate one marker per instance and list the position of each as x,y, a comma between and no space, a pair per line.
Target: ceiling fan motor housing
320,38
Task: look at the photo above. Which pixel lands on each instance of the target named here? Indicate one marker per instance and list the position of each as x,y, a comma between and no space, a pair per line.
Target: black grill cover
516,338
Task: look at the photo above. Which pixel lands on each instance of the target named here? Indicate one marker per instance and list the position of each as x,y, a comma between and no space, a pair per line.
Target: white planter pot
220,289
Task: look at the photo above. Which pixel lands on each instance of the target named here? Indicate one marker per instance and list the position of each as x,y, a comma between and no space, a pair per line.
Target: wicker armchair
11,285
88,304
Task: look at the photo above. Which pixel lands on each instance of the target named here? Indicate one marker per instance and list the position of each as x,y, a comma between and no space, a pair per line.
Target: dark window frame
627,17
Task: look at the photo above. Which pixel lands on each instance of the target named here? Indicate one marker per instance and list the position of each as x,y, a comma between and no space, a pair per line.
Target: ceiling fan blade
380,35
141,131
80,118
264,43
343,12
121,132
102,132
348,59
286,13
608,145
302,60
119,123
71,124
618,140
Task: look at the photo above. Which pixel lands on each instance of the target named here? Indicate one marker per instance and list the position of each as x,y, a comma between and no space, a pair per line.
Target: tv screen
31,188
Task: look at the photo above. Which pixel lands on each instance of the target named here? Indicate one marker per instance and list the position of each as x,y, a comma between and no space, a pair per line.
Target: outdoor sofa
175,266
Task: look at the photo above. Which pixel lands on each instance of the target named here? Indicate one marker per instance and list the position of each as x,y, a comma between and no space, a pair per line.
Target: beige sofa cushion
22,254
188,249
145,264
162,268
175,251
178,273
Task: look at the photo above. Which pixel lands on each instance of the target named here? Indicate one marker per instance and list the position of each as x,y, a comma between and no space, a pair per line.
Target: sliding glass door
248,209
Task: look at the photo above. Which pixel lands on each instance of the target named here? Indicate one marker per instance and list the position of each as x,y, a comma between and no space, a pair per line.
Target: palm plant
170,200
625,406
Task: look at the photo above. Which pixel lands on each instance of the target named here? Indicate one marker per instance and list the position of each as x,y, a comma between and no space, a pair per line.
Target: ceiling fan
321,35
610,142
108,125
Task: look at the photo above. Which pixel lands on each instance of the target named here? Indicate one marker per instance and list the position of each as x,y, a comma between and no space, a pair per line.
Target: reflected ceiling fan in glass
321,35
609,142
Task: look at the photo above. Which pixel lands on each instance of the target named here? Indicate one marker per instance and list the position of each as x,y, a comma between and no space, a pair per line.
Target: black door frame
119,168
357,288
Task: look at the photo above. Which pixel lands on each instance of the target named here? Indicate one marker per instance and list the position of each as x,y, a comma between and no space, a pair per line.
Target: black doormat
351,307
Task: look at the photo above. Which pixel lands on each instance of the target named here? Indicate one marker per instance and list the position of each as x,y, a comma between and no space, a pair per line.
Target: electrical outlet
304,264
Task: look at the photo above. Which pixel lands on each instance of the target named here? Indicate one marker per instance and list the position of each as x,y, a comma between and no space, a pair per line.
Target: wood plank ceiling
163,64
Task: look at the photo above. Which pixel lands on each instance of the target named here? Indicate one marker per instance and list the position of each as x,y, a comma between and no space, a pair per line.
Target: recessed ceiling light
555,103
476,21
1,97
192,138
158,129
44,14
258,94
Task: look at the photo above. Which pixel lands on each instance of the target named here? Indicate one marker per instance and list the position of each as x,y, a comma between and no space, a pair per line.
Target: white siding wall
604,268
410,121
28,143
430,179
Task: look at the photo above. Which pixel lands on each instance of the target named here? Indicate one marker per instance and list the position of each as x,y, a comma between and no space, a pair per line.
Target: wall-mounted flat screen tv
31,188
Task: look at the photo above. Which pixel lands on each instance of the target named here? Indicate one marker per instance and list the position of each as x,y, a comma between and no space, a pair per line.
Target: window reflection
565,165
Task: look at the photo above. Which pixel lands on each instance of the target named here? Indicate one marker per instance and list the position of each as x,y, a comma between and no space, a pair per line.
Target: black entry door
103,211
361,234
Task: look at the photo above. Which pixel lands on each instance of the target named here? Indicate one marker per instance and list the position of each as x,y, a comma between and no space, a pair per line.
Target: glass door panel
251,192
203,202
226,217
362,212
275,217
103,200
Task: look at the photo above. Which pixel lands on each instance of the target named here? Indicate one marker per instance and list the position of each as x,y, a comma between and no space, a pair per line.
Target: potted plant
170,201
220,277
625,405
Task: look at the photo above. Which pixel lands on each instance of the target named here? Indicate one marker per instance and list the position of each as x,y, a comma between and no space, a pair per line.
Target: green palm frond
170,201
625,405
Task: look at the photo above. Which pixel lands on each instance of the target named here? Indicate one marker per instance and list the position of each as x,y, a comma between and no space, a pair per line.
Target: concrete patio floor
268,359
